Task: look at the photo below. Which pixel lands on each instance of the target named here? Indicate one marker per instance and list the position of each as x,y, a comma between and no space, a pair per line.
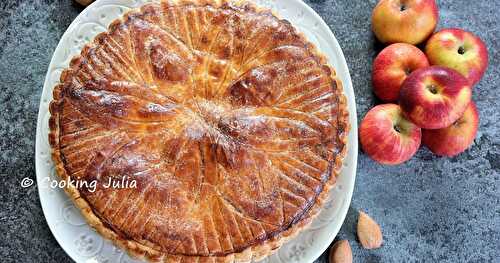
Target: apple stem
461,50
458,122
397,128
402,7
432,89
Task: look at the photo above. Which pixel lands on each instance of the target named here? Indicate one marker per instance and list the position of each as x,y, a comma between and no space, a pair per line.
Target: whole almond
340,252
369,232
84,2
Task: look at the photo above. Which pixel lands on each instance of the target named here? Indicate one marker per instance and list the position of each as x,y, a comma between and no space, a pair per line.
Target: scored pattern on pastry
224,116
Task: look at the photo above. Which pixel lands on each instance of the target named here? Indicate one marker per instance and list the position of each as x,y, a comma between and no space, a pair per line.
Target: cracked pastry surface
229,121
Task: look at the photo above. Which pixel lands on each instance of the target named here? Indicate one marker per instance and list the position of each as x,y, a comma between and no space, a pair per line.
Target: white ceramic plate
82,243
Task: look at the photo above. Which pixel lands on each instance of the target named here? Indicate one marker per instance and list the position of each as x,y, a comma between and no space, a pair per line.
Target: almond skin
340,252
84,2
369,233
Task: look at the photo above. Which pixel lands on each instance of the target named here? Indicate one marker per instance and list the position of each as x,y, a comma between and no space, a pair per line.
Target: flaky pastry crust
232,124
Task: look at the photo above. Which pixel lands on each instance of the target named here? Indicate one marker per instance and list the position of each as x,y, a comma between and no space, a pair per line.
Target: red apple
387,136
456,138
459,50
434,97
391,67
408,21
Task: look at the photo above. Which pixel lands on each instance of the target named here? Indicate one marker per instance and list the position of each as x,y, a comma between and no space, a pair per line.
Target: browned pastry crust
230,122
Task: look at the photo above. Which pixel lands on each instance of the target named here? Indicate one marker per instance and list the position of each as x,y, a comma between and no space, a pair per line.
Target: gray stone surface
431,209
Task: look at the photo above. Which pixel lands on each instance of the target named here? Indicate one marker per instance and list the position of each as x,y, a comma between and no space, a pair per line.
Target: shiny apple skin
455,139
436,110
412,25
460,50
382,142
391,67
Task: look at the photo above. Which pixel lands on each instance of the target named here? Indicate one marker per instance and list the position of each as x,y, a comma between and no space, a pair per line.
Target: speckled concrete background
430,209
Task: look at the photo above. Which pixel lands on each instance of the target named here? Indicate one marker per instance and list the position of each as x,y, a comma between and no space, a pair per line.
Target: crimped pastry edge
141,251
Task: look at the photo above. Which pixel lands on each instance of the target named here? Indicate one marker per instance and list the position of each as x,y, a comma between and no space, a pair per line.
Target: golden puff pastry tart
228,121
